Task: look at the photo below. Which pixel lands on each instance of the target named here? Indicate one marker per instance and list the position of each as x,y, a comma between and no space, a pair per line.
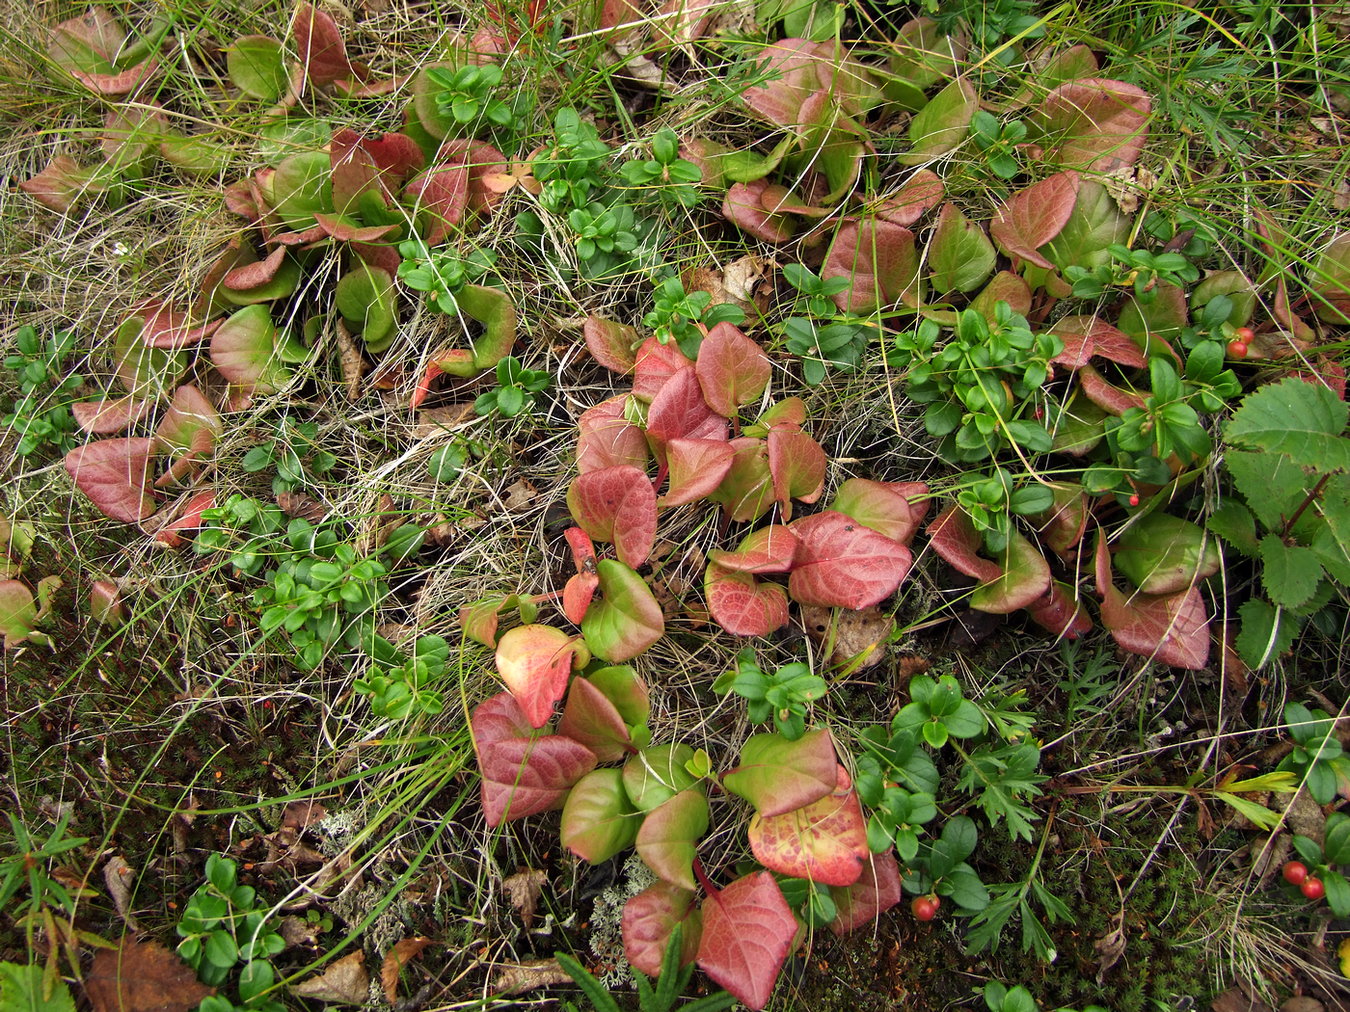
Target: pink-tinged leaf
590,718
482,161
1032,217
442,196
243,348
611,344
669,834
121,83
742,208
535,662
742,604
732,369
747,931
498,718
679,411
62,183
780,199
792,63
960,256
655,364
89,47
259,272
880,262
105,604
598,820
1063,524
188,414
880,506
746,493
353,170
114,474
842,564
1060,612
607,439
796,467
922,192
319,46
1003,287
169,329
1086,336
618,505
627,619
18,612
696,468
876,891
188,517
103,418
345,229
1107,396
583,549
825,841
396,155
578,592
648,920
771,549
1171,629
777,775
788,411
525,776
954,538
1023,578
479,619
1094,124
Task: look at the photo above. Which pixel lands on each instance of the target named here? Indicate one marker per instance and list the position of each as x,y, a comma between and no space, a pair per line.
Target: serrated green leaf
1235,524
1272,484
21,990
1265,633
1290,573
1300,420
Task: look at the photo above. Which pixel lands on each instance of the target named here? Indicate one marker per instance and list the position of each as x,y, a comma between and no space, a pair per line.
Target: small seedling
466,94
998,141
397,685
41,415
671,176
682,316
442,273
514,393
781,696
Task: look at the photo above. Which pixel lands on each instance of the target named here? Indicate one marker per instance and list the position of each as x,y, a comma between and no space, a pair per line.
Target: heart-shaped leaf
1094,124
742,604
696,468
114,475
843,564
1032,217
590,718
771,549
598,820
1172,629
618,505
876,891
732,370
525,776
776,775
747,931
606,438
648,920
627,619
669,835
879,261
960,255
825,841
535,662
654,366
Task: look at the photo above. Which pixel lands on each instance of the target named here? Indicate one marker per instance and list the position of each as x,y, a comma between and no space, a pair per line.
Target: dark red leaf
524,776
747,931
696,468
618,505
1060,611
577,594
1086,336
1032,217
1171,629
170,329
825,841
345,229
655,364
114,474
188,517
790,65
441,194
742,604
954,538
250,275
732,369
877,890
650,917
842,564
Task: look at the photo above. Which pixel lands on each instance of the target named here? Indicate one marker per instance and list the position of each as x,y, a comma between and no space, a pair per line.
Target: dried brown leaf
396,959
118,876
297,504
343,983
523,889
142,977
517,978
301,814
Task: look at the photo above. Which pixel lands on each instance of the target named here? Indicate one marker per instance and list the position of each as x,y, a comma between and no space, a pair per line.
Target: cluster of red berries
1296,873
1237,348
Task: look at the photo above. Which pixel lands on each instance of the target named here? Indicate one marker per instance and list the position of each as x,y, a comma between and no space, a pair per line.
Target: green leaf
627,619
1265,633
1234,523
1258,815
22,989
1338,892
220,949
1301,420
255,978
1291,573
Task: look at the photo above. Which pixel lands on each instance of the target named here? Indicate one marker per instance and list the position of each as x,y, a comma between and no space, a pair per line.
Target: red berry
1294,872
1244,334
925,907
1313,888
1237,349
1134,499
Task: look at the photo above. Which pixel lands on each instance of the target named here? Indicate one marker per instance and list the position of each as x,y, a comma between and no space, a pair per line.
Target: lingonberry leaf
113,474
732,370
654,365
1033,216
667,840
1171,629
879,261
590,718
954,538
776,775
535,662
882,506
627,619
696,467
611,344
746,493
598,820
742,604
876,891
771,549
796,466
608,439
650,917
618,505
825,841
747,931
1024,576
679,411
102,418
843,564
1093,124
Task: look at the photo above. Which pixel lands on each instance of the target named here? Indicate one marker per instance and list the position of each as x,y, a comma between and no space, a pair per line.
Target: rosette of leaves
669,176
397,685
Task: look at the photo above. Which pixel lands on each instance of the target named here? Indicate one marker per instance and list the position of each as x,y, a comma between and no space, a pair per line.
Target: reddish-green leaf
590,718
960,255
742,604
623,687
114,474
825,841
1063,524
1163,554
796,467
878,259
1030,218
678,411
598,820
1094,124
954,538
696,468
771,549
920,193
1060,611
1003,287
627,619
1024,576
257,67
942,124
1086,336
647,923
876,891
1106,395
843,564
522,775
142,370
440,197
747,931
881,506
669,835
243,348
742,207
607,439
792,78
102,418
776,775
62,183
18,612
187,517
91,49
654,365
732,370
611,344
188,414
535,662
1172,629
746,493
618,505
319,46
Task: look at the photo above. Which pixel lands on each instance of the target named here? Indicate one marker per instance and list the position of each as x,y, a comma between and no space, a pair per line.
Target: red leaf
879,260
1033,216
610,344
877,890
607,439
113,473
345,229
1094,124
319,46
742,604
921,193
747,932
796,466
843,564
696,468
189,519
251,275
1171,629
1060,611
577,594
535,662
954,538
771,549
679,411
61,183
590,718
881,506
1107,396
1085,336
650,917
167,328
1024,576
618,505
105,417
742,208
791,67
732,369
825,841
655,364
189,413
524,776
442,194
